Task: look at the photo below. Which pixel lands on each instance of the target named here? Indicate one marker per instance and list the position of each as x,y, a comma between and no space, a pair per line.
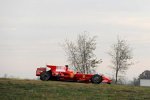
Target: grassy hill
13,89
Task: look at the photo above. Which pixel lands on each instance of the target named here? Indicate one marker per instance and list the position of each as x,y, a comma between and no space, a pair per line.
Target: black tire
45,76
96,79
108,83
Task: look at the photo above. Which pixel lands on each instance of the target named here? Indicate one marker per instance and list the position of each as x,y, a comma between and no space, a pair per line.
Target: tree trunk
116,77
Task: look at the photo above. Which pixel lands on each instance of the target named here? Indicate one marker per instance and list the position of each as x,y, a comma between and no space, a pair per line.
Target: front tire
45,76
108,83
96,79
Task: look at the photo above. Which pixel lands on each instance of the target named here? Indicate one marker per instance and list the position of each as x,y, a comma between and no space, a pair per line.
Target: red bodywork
67,75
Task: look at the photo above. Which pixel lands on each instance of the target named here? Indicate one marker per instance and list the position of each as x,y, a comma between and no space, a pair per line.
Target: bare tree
80,53
121,57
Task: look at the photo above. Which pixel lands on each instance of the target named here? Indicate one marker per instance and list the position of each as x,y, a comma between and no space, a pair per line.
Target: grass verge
13,89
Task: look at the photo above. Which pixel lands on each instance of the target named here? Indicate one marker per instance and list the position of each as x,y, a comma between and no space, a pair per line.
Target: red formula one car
62,73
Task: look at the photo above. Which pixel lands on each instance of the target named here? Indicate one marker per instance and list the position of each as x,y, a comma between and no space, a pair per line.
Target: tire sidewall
45,76
96,79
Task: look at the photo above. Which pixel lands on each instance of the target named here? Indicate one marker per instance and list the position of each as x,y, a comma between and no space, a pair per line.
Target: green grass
13,89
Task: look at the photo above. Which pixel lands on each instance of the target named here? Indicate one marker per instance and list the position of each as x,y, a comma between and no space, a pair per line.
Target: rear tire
45,76
96,79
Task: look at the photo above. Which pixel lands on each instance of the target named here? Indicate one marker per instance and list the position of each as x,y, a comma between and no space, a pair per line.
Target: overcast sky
31,32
